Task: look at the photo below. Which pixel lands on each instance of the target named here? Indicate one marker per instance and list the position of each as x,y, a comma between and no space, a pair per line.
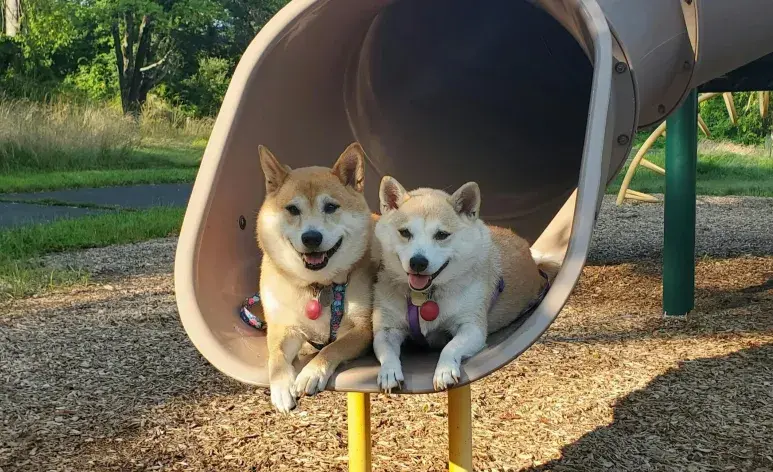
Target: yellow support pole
653,167
730,105
460,429
702,125
359,431
635,162
707,96
640,196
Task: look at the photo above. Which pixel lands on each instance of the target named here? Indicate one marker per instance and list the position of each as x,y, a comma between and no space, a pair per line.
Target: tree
145,36
246,18
52,38
183,50
205,61
11,17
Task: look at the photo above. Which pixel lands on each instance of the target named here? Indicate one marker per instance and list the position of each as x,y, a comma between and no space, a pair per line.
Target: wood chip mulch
103,378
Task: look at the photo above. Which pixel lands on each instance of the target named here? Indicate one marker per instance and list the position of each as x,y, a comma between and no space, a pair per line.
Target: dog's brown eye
293,210
330,208
405,233
441,235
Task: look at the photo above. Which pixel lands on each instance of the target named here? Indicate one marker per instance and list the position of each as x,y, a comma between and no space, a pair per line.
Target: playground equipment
625,192
440,92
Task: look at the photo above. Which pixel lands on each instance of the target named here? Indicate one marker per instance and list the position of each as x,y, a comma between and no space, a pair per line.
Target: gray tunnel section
495,92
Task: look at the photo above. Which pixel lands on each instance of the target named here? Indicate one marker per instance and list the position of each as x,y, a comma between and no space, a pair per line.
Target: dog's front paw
390,376
283,396
447,375
312,379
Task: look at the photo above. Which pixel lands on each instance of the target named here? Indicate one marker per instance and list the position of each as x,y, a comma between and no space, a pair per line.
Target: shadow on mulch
707,414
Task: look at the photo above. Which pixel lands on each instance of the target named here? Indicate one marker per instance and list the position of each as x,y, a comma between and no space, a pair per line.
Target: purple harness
412,314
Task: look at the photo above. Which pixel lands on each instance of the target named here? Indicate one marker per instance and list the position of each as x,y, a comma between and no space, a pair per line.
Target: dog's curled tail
548,263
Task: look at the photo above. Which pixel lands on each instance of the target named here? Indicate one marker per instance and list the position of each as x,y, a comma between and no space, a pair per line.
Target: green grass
149,164
31,182
152,164
717,174
21,272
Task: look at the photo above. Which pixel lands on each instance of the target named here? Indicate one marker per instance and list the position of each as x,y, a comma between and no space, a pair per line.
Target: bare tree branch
155,64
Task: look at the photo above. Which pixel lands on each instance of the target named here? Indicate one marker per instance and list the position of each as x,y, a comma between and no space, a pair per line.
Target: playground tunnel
537,101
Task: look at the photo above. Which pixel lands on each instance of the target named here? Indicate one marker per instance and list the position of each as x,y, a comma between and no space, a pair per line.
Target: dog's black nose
311,239
418,263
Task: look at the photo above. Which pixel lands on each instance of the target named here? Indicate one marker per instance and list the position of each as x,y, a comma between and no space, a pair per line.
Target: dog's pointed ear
391,194
275,172
350,167
466,200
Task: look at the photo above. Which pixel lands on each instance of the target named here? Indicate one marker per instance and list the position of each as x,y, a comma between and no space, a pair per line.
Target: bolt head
621,67
622,139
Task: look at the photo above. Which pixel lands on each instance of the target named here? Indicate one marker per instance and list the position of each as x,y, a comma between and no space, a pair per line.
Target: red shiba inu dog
316,277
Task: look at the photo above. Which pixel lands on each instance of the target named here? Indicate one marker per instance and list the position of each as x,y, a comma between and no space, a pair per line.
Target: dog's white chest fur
288,307
457,305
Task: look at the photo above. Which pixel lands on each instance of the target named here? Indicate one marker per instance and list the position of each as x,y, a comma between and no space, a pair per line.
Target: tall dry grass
160,121
61,135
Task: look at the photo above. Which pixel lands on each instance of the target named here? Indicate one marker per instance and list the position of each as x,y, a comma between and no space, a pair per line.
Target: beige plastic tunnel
537,101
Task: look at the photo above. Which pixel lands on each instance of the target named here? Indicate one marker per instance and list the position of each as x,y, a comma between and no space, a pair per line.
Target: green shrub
206,88
10,55
96,80
751,128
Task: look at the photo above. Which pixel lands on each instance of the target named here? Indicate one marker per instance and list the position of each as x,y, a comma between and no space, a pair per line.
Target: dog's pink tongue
313,258
417,281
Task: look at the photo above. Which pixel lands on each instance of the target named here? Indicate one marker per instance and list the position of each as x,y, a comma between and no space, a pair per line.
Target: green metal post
679,221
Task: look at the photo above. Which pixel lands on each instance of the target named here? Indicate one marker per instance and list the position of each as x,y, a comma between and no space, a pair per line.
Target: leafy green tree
205,62
145,37
203,92
246,18
104,50
48,29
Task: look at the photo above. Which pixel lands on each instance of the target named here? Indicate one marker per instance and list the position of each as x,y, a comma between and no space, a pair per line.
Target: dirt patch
725,227
116,262
706,146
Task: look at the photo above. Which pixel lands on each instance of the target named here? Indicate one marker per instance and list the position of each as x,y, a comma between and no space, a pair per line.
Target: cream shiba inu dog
446,278
314,229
